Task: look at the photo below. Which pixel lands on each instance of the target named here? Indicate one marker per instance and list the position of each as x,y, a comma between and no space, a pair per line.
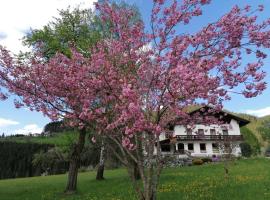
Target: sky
16,19
18,16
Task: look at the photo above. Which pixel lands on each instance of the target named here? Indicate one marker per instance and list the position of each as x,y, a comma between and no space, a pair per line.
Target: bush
246,149
206,160
197,161
250,138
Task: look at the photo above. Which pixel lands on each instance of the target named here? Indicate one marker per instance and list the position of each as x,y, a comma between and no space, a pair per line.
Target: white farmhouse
205,140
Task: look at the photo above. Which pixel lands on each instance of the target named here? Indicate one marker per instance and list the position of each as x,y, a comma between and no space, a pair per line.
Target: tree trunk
136,172
151,172
150,196
100,170
149,192
72,177
74,163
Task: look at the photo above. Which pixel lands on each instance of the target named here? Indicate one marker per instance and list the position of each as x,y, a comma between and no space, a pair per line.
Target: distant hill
247,116
255,123
59,139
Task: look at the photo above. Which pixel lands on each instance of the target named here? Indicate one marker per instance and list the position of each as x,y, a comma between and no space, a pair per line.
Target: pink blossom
125,90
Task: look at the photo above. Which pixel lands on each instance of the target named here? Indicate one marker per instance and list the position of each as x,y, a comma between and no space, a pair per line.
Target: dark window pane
212,132
215,148
189,131
225,132
180,146
202,147
200,132
190,146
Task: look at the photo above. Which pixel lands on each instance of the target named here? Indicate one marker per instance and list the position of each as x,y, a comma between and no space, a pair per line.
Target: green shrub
246,149
197,161
206,160
250,138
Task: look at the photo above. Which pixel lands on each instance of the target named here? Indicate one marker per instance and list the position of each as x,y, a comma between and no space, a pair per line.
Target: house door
181,148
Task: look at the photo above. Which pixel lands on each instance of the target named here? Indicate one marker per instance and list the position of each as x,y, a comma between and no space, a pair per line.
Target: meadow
249,179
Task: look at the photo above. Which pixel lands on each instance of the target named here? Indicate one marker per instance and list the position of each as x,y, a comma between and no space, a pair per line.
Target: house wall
233,129
209,150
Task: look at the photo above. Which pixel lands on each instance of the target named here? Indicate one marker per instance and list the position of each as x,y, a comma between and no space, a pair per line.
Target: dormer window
200,132
225,132
212,131
189,131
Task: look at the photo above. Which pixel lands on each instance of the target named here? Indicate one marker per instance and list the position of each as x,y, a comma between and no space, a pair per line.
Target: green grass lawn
249,180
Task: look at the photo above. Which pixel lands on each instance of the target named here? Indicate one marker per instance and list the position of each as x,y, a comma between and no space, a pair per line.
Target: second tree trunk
75,163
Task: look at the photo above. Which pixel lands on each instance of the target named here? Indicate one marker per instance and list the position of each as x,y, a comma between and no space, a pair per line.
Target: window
190,147
189,131
215,148
165,148
212,131
225,132
181,146
200,132
203,147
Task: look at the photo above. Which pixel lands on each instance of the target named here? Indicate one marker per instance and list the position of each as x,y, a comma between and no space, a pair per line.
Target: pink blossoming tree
137,77
148,75
55,89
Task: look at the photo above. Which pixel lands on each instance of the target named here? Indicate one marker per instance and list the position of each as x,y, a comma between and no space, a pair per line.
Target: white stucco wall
209,150
233,129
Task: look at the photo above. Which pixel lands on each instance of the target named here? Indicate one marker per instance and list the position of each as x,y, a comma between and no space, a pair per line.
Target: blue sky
35,16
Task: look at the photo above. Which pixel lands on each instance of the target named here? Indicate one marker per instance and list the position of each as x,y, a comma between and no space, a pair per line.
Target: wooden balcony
209,137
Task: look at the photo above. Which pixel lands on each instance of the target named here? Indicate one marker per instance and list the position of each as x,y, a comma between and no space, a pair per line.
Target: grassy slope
249,180
251,139
253,126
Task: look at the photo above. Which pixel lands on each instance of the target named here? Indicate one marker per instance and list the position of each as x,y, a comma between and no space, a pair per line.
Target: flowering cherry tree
139,80
55,89
150,74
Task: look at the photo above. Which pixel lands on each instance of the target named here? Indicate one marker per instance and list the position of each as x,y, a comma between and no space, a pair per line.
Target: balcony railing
209,137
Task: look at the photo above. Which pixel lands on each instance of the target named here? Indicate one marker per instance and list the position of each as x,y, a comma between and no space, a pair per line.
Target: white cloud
7,122
18,16
259,112
30,128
